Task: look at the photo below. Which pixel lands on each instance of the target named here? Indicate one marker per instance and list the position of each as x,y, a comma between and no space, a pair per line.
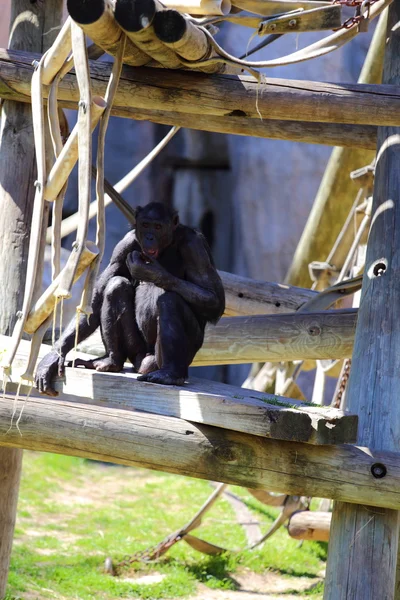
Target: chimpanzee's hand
50,366
148,269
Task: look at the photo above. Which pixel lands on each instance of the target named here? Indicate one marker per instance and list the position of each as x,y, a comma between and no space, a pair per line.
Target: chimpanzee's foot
163,376
80,362
108,365
148,365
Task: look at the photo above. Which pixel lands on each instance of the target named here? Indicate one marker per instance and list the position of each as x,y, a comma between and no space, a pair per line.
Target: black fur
152,303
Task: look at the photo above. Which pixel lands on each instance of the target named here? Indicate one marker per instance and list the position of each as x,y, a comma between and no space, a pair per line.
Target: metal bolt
314,330
35,64
272,26
19,314
292,22
378,470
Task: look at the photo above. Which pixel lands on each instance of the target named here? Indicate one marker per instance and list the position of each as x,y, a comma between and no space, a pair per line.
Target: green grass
73,513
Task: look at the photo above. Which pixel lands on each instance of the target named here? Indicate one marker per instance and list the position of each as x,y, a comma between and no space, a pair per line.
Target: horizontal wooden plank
310,525
221,95
177,446
245,296
205,402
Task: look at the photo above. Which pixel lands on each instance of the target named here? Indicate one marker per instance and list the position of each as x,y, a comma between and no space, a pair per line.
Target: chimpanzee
152,303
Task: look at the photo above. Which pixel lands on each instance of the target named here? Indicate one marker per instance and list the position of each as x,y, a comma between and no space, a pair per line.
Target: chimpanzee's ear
137,211
175,219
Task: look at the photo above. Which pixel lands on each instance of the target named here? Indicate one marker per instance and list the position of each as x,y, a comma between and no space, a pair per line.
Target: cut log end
86,12
169,25
135,15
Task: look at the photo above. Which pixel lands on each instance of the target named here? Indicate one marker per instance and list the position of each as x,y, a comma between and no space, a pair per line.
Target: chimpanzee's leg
179,337
119,330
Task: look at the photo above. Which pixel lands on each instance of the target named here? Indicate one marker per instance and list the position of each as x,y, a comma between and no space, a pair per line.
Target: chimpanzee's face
155,227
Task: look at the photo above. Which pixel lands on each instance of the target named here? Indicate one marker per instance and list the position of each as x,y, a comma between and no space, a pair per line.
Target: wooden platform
202,401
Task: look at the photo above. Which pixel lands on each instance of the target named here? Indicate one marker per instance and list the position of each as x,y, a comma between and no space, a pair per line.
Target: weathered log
276,338
34,27
357,536
177,446
203,401
245,296
223,95
310,525
15,67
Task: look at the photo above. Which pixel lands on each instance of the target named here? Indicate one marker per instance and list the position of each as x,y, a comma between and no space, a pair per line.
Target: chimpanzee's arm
53,363
202,287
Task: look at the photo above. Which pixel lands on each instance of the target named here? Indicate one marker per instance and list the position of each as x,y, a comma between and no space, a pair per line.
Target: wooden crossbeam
223,97
274,338
210,403
174,445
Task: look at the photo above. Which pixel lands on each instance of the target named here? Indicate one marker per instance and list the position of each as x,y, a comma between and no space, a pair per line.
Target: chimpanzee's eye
157,226
145,224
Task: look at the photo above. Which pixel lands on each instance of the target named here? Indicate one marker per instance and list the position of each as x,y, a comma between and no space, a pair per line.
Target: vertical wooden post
33,28
364,542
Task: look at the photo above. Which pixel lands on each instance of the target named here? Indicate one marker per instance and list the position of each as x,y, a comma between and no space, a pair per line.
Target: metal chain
151,553
342,384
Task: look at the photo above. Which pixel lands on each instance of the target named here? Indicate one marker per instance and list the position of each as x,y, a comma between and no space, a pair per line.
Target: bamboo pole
337,191
178,446
189,41
136,17
68,156
359,537
96,19
44,306
223,95
200,7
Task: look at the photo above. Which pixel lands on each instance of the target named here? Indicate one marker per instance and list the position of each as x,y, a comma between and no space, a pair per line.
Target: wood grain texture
29,21
245,296
203,401
220,95
337,190
177,446
363,547
310,525
274,338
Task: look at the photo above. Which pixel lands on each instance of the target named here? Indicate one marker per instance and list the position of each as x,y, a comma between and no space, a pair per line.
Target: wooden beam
328,134
203,401
221,95
274,338
363,545
310,525
337,191
177,446
245,296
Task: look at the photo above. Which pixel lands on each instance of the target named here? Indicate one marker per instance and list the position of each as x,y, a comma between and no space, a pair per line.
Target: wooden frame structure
204,430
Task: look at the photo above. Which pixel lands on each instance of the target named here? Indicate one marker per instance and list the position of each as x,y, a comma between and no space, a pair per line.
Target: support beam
337,191
207,402
221,95
177,446
274,338
363,544
29,22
